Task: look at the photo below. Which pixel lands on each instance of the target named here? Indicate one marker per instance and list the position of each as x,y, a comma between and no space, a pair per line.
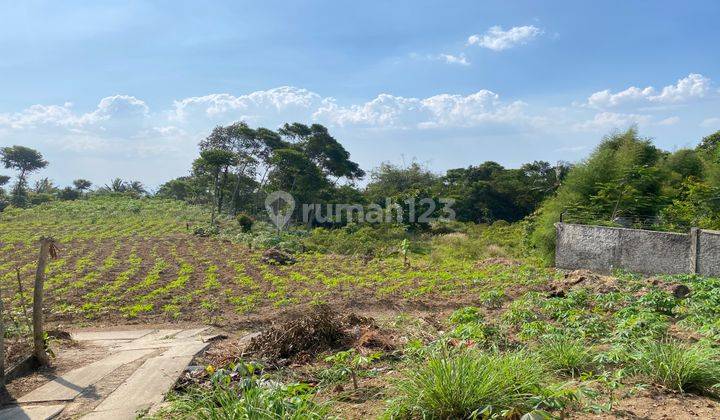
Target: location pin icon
280,207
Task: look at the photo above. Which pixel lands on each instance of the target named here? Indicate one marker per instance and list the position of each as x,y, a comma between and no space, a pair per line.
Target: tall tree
82,185
25,160
217,161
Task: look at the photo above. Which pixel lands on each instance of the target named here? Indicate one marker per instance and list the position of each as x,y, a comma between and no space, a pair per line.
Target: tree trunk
215,196
221,196
46,245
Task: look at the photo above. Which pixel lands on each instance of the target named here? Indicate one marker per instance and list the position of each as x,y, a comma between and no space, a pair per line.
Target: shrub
680,367
472,384
245,222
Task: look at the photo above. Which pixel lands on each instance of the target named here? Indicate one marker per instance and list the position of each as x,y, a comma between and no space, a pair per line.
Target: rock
680,291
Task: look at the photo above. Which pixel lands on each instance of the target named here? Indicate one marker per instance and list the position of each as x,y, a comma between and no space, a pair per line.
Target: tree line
626,181
21,194
238,165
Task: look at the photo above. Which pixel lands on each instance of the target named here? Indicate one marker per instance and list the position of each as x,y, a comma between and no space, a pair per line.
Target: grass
680,366
566,355
471,384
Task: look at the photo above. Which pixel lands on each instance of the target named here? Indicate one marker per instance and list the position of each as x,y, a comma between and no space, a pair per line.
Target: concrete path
163,354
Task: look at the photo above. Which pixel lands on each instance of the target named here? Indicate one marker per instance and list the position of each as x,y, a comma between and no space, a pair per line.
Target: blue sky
127,89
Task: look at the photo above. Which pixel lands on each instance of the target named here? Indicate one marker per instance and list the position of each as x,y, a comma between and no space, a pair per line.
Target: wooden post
47,248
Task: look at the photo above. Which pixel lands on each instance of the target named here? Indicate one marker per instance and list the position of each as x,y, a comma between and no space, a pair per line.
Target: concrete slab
69,385
109,335
143,389
159,344
164,334
190,333
185,349
36,412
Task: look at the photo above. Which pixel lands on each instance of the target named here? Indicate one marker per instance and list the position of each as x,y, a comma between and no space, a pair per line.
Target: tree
622,177
82,185
217,160
68,193
44,186
25,160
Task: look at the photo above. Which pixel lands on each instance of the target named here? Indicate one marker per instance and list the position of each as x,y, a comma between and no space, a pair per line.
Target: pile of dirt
278,257
678,290
582,279
299,337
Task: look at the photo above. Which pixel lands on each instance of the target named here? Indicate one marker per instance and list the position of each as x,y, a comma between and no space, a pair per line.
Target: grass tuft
471,384
566,355
679,366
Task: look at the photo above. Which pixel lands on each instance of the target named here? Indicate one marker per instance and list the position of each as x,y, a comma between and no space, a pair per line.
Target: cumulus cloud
498,39
445,110
693,86
255,105
111,107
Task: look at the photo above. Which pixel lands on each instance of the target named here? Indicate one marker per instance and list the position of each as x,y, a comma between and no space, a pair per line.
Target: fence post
694,249
47,248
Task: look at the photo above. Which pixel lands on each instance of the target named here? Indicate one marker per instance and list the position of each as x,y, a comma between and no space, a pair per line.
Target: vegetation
470,321
627,181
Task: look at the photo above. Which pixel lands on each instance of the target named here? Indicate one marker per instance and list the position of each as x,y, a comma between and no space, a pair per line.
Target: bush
245,222
471,384
680,367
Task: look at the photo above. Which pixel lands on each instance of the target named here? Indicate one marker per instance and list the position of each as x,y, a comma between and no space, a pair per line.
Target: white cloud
691,87
497,39
112,107
460,59
669,121
612,120
445,110
252,106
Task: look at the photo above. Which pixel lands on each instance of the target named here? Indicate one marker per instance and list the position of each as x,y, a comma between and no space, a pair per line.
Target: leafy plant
251,397
349,362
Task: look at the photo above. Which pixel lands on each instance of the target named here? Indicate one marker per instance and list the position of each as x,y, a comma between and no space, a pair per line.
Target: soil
69,355
656,404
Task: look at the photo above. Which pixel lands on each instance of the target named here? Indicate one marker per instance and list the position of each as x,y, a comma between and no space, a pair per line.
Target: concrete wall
603,249
708,253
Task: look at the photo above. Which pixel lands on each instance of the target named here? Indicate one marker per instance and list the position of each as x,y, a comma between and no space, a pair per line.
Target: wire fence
656,222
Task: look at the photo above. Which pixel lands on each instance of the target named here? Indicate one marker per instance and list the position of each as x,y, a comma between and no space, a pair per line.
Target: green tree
82,185
621,177
26,161
217,161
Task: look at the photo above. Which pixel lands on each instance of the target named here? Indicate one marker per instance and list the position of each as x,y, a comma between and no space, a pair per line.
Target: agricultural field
460,321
